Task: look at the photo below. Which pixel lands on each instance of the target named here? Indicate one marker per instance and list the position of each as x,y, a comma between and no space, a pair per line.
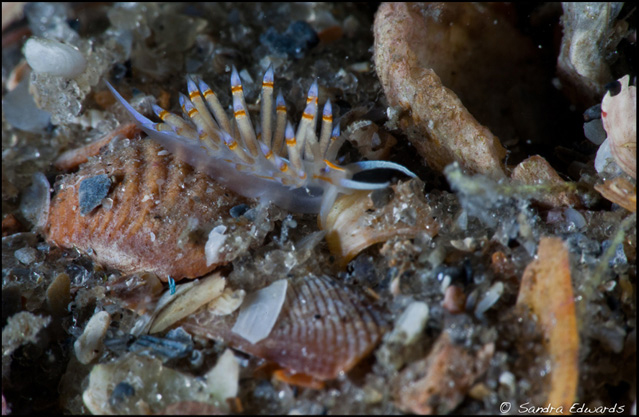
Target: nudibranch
294,169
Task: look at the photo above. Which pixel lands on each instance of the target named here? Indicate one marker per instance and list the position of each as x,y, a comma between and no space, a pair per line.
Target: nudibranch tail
294,168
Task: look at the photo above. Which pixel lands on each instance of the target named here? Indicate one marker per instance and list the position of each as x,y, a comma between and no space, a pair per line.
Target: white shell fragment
49,56
604,157
188,302
228,302
223,379
89,344
411,323
213,245
260,311
490,298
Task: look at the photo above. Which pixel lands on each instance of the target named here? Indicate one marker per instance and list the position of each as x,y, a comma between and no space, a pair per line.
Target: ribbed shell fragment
156,216
324,329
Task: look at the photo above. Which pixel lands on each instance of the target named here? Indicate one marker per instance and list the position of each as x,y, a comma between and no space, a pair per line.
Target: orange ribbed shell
157,199
323,329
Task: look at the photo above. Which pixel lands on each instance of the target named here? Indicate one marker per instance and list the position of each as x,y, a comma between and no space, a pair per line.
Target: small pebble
120,393
92,191
58,294
411,323
51,57
26,255
89,344
593,113
238,210
382,197
162,348
454,299
21,112
594,131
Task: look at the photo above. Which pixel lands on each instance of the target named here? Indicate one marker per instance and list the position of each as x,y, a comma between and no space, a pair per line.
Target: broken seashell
52,57
71,159
435,67
89,344
228,302
619,116
300,380
371,141
546,288
323,330
620,191
355,221
187,303
260,311
535,170
439,382
161,212
410,324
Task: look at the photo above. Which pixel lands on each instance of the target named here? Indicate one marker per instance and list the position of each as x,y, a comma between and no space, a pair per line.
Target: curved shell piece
361,219
55,58
156,215
323,329
619,116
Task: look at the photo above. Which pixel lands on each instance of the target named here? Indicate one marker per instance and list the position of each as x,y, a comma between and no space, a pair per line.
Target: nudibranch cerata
307,180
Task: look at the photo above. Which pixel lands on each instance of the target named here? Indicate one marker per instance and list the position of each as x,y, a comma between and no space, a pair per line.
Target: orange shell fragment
158,214
546,288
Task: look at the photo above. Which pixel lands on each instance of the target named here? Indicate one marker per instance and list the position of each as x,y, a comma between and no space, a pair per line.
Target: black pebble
593,113
614,87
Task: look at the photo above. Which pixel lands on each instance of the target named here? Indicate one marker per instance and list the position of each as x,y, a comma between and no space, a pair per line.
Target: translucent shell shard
323,329
294,168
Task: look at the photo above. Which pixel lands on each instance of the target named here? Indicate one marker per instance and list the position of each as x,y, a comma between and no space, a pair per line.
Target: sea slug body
254,165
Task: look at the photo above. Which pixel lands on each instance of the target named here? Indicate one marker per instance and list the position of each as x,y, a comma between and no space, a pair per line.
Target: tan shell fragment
323,329
191,300
437,123
89,344
546,288
620,191
619,116
73,158
535,171
159,214
439,382
354,223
